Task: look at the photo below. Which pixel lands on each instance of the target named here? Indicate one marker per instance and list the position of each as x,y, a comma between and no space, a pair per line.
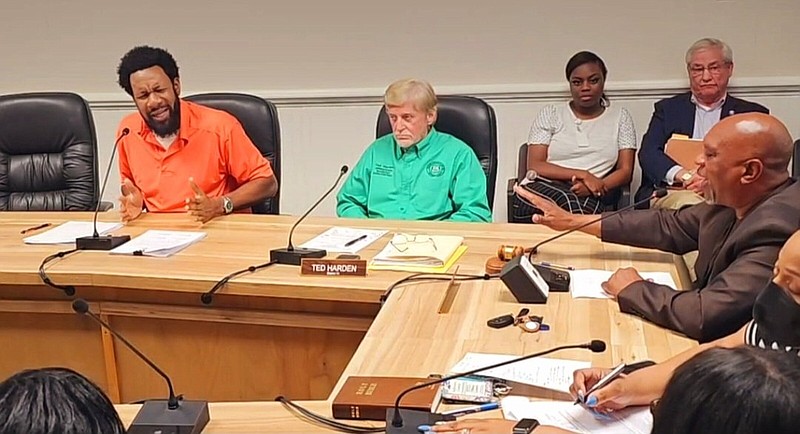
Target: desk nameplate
334,267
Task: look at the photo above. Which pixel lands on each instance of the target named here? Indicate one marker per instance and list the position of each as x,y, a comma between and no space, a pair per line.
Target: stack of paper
553,374
159,243
67,232
566,415
343,240
422,251
587,283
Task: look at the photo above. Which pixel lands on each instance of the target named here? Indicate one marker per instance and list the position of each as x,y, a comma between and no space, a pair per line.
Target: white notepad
418,250
66,233
159,243
587,283
343,240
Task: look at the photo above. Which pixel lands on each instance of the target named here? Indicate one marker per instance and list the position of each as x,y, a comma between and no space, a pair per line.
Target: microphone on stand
156,416
105,242
404,421
525,281
292,255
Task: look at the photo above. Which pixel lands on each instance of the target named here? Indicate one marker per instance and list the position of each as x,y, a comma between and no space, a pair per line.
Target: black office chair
470,119
259,118
522,170
796,160
48,153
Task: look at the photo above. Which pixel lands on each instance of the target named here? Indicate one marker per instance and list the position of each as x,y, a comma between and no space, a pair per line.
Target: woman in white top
583,150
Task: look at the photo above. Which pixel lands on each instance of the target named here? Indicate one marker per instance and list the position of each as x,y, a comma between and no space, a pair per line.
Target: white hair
706,43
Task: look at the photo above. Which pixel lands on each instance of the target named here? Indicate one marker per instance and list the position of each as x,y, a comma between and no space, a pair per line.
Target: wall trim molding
752,87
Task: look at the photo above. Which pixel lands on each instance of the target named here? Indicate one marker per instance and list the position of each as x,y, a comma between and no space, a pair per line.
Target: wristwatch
686,177
525,426
227,205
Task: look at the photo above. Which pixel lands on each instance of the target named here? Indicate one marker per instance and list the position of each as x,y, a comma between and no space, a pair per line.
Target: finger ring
466,431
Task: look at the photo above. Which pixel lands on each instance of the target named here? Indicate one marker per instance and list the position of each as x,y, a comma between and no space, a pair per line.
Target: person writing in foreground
181,156
744,390
416,172
775,326
751,208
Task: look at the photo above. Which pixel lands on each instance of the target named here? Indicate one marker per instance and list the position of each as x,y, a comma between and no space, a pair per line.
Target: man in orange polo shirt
179,156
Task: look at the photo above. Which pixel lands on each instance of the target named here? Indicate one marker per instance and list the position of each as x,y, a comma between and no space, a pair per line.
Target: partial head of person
745,157
150,76
787,268
586,73
743,390
411,107
55,401
709,63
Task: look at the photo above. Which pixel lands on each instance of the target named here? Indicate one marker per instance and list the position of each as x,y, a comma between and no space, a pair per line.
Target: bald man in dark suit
751,208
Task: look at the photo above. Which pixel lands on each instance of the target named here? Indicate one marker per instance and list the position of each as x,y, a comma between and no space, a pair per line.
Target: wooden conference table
275,332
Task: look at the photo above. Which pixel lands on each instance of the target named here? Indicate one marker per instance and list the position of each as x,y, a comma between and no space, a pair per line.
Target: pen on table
353,241
552,265
463,411
475,409
611,376
36,228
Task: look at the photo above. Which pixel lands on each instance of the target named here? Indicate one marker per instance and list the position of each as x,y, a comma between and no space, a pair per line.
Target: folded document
159,243
432,251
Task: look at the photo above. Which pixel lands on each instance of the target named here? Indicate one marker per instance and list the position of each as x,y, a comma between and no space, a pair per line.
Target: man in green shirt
415,173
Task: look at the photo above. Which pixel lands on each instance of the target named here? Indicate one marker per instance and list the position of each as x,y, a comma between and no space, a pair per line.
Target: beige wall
326,63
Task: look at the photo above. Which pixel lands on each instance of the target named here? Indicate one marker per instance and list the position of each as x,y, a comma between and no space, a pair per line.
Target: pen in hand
351,242
35,228
608,378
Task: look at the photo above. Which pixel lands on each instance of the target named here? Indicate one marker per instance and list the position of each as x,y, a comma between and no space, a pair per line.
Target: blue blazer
675,115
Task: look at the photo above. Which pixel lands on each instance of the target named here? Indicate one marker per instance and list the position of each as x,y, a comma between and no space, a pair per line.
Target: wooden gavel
505,253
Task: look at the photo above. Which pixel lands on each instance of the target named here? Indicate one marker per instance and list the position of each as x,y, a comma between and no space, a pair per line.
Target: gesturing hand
201,207
131,202
554,217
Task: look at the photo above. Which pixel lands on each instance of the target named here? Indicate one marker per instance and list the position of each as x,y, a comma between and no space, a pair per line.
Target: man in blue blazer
709,63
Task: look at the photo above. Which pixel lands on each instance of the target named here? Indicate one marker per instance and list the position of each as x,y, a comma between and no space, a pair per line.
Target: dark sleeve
725,304
674,231
655,163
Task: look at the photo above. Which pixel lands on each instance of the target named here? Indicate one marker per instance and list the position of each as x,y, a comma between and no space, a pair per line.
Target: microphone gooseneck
125,132
342,171
81,307
659,193
596,346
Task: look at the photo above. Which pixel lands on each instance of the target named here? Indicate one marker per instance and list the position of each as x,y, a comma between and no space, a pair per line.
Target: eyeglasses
402,242
714,69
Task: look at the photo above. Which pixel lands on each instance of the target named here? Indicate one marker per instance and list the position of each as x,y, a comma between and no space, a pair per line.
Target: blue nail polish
592,401
424,428
601,416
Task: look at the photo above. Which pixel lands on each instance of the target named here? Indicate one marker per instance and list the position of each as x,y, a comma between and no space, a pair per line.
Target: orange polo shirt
211,147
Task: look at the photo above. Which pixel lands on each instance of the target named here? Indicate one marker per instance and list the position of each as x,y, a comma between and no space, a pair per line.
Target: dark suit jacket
675,116
735,260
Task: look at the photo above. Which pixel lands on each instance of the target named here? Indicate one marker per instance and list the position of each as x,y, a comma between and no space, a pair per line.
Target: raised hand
131,202
201,207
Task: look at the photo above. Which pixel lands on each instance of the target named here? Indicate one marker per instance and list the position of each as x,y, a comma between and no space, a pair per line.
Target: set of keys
526,322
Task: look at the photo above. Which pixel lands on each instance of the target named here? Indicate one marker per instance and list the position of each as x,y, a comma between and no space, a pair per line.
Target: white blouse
591,145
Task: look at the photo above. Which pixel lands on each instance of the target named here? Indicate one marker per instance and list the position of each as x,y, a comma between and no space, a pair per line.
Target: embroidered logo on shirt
435,168
384,170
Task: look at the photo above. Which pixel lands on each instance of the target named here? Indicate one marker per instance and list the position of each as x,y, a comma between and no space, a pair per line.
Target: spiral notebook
418,250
